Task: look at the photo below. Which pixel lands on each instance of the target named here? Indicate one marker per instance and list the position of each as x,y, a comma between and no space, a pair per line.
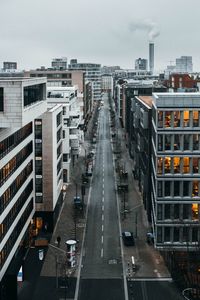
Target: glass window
168,116
160,189
167,211
195,165
160,142
186,142
176,234
186,211
177,116
159,234
159,211
195,142
195,188
176,165
186,119
195,118
186,165
176,188
176,211
195,235
1,100
195,211
176,142
167,165
160,165
167,234
185,234
167,188
168,141
186,186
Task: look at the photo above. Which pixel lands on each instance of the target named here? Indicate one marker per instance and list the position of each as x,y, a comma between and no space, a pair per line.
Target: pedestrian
58,240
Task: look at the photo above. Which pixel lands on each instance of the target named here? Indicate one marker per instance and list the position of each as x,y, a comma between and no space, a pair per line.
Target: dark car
128,238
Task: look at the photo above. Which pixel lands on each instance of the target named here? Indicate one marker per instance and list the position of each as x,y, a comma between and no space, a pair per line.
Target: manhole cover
112,262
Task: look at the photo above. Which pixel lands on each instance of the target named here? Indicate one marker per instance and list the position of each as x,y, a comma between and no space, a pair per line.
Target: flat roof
148,100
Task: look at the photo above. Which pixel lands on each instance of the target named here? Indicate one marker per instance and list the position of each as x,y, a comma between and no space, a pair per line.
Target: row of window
14,163
14,139
177,119
178,189
34,93
4,253
178,212
178,165
179,142
15,186
186,235
1,99
13,213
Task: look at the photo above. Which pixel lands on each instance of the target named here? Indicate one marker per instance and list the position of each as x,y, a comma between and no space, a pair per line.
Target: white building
21,101
72,119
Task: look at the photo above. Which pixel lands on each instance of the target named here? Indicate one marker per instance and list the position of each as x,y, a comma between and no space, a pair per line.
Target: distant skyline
109,32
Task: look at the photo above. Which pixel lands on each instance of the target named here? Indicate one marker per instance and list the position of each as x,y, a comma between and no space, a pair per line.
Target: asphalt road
101,273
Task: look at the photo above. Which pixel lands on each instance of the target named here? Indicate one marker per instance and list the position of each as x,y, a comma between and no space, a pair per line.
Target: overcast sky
110,32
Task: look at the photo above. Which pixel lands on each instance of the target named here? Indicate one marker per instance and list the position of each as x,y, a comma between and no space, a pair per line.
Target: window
195,235
186,142
176,142
160,142
159,211
195,211
186,185
176,188
195,118
186,118
185,234
177,116
195,188
167,234
167,165
176,211
160,165
176,234
167,188
167,212
195,142
160,119
168,119
159,234
176,165
186,165
1,100
195,165
186,211
168,142
160,189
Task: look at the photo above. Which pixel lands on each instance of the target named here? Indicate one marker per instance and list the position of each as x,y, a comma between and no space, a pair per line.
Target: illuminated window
195,188
186,165
186,118
168,119
195,119
195,211
39,223
176,164
167,165
177,116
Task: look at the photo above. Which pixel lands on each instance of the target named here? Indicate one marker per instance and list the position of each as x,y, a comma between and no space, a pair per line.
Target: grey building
141,64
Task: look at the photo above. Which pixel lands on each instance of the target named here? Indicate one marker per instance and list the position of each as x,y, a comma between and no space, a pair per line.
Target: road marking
102,217
102,239
102,227
103,179
103,192
102,252
103,186
102,199
102,207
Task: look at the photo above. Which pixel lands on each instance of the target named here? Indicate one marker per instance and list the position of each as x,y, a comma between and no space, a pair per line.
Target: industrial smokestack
151,57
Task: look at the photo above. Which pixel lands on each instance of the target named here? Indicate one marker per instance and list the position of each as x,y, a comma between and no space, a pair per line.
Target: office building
184,64
141,64
59,63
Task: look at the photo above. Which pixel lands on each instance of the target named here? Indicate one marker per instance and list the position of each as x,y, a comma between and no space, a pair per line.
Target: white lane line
103,186
103,179
102,239
102,199
102,252
102,227
102,217
103,192
102,207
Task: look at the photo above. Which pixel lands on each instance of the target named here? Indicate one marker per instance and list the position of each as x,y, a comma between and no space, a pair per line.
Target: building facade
184,64
141,64
21,101
176,170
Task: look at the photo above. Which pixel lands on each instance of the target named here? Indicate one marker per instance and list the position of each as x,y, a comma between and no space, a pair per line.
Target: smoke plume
146,25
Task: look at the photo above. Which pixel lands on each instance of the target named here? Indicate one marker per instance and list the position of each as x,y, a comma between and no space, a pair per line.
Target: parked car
128,238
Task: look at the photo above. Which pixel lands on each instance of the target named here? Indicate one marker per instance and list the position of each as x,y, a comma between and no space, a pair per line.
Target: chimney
151,57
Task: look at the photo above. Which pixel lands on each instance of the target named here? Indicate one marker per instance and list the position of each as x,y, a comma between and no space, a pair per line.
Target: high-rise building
59,63
92,74
21,101
184,64
141,64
